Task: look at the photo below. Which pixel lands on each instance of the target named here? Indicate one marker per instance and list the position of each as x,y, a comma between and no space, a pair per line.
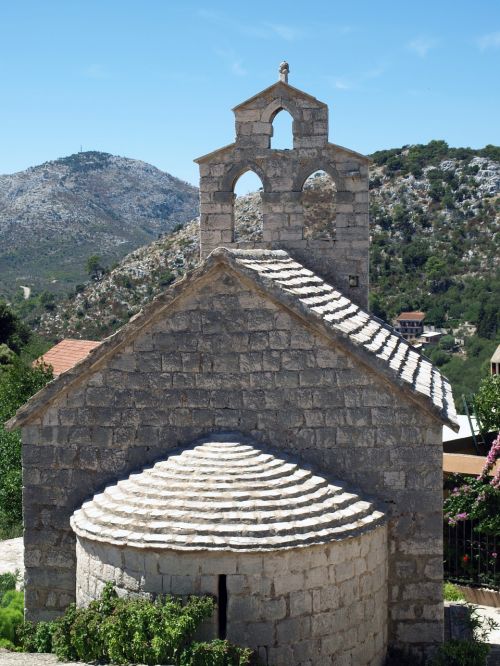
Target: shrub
166,278
461,653
216,653
11,616
36,637
487,403
126,631
18,382
467,653
452,593
8,582
129,630
478,498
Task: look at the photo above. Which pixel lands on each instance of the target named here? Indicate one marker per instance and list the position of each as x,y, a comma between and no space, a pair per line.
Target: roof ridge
336,315
347,319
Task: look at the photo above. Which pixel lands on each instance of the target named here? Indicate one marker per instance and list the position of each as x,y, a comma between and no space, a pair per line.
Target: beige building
254,433
495,362
410,324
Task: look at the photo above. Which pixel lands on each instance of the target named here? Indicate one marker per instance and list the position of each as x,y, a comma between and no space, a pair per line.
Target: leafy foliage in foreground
468,653
487,403
478,498
216,653
18,382
11,610
126,631
452,593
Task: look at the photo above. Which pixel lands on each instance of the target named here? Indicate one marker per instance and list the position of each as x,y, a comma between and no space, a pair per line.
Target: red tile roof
411,316
66,354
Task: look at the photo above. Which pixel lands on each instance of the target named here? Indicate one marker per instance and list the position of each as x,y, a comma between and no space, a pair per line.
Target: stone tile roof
317,303
225,493
389,350
66,354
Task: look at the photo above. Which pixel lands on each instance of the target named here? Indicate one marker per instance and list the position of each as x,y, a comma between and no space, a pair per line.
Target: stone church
254,433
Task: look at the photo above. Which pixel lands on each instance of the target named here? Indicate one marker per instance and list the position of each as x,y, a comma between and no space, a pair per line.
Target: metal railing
470,558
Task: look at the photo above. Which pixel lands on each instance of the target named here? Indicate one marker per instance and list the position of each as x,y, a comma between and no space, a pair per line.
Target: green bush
166,278
461,653
8,582
18,382
473,652
125,631
452,593
36,637
487,403
216,653
11,616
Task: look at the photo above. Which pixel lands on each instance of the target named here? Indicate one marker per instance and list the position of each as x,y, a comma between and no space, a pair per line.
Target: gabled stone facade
253,341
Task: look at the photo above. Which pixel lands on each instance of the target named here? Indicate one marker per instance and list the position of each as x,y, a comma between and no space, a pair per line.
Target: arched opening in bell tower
319,194
247,208
282,136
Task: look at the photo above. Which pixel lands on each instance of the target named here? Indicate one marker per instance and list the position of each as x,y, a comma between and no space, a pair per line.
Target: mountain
435,235
54,216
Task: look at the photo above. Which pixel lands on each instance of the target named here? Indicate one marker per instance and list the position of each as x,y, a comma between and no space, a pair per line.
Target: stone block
274,609
297,627
183,585
300,603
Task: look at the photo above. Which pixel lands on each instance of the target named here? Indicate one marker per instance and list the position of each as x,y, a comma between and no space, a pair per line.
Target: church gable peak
333,238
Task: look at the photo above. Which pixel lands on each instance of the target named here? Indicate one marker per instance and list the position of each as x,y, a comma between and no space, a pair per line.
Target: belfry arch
282,137
319,203
247,208
341,258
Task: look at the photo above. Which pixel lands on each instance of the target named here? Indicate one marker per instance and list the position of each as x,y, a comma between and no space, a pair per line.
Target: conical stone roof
224,493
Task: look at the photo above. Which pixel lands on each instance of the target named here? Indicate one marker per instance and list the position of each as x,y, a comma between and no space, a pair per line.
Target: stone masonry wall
342,261
226,358
313,605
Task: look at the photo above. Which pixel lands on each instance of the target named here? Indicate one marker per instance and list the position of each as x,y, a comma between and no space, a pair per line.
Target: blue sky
155,80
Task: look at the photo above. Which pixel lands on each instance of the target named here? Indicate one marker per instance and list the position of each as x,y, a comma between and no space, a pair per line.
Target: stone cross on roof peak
283,71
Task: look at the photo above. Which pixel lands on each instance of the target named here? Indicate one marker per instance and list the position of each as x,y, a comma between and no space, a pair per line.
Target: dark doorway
222,605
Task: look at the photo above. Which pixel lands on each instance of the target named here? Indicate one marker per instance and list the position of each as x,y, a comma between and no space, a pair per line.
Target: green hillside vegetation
18,382
435,234
435,239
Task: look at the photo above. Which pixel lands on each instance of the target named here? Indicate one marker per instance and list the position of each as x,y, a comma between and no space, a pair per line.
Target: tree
487,324
487,403
18,382
13,332
447,342
95,267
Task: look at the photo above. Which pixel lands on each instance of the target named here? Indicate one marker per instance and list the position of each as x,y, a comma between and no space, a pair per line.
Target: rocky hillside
54,216
435,238
104,305
435,219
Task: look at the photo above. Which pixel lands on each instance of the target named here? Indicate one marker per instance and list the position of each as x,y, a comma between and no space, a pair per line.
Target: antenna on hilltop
81,148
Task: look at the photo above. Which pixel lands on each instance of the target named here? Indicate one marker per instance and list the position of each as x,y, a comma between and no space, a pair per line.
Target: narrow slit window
222,606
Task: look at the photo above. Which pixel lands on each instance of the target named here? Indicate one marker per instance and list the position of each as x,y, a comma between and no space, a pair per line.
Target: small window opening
282,137
248,208
320,206
222,606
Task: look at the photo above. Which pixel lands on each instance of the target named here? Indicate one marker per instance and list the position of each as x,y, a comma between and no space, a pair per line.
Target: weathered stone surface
283,174
225,493
267,611
258,343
